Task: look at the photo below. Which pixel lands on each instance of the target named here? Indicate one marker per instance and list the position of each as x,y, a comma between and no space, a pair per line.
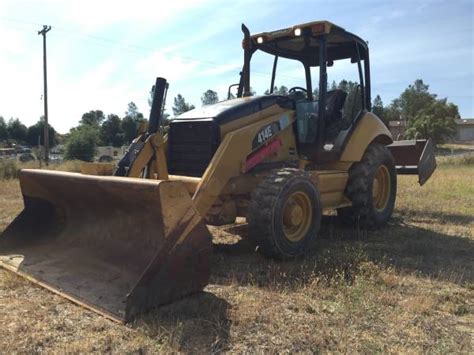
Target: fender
369,129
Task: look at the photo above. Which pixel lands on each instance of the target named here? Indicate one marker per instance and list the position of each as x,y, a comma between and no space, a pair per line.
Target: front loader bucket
414,157
118,246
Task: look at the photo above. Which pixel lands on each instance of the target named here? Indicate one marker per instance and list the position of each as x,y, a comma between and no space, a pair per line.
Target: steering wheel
294,88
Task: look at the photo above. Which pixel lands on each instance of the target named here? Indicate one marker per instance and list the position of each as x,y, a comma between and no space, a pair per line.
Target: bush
8,169
82,143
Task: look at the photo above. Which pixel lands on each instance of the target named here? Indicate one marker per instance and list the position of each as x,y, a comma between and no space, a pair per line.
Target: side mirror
229,94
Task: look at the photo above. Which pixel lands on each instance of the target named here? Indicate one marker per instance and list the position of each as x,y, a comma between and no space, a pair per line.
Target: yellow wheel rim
381,188
297,216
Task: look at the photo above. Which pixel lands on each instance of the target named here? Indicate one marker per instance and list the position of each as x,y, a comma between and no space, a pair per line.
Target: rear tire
372,188
284,214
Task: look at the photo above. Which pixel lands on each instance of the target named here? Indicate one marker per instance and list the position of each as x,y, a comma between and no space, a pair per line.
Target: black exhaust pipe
157,105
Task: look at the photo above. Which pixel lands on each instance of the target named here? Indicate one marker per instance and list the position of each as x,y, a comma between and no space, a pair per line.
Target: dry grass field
406,288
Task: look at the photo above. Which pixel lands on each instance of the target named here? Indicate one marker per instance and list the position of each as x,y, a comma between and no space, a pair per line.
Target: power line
133,48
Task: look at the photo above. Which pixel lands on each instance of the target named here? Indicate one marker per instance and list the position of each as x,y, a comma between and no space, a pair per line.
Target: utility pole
43,32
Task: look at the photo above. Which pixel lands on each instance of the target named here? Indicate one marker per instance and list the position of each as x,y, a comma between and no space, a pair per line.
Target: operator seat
333,121
335,100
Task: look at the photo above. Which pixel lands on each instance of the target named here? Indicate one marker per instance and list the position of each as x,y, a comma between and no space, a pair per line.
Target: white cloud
174,69
93,15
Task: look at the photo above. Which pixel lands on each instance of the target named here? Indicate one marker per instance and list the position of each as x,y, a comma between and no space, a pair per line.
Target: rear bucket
118,246
414,157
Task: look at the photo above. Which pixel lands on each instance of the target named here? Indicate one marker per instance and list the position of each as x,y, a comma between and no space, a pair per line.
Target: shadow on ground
340,250
201,323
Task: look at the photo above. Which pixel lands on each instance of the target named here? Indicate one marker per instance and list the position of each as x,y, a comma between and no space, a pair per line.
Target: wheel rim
381,188
297,216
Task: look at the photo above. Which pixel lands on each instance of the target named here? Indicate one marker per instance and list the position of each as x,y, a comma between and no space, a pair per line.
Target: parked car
26,157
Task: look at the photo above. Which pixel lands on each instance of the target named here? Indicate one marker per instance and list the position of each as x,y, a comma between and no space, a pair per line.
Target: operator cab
322,129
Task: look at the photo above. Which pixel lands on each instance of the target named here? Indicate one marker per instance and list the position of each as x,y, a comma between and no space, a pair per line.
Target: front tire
372,188
284,214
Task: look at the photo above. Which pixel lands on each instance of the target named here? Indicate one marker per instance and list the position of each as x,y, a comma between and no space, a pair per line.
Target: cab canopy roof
303,42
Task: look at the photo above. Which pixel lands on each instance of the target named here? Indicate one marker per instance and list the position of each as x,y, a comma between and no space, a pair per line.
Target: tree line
425,115
95,128
14,131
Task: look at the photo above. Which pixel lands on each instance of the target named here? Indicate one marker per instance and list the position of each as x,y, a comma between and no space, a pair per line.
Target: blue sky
102,55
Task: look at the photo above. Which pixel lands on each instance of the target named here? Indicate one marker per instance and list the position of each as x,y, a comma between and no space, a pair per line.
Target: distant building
108,151
464,130
57,149
6,153
397,128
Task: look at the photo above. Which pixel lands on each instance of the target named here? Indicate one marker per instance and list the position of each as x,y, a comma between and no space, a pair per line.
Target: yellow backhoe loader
123,244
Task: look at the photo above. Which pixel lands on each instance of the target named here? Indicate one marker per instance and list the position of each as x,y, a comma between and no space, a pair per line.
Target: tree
132,111
129,128
37,130
411,101
331,87
111,132
267,92
17,130
132,120
282,90
437,121
353,103
180,105
92,118
3,129
82,143
210,97
425,115
151,95
378,109
316,93
166,118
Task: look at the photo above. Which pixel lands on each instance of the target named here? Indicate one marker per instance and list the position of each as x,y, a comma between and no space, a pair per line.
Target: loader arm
151,155
228,161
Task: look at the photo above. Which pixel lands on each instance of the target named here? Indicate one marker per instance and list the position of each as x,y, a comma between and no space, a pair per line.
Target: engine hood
229,110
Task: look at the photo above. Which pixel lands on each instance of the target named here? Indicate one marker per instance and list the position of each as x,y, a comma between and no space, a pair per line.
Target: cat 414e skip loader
123,244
